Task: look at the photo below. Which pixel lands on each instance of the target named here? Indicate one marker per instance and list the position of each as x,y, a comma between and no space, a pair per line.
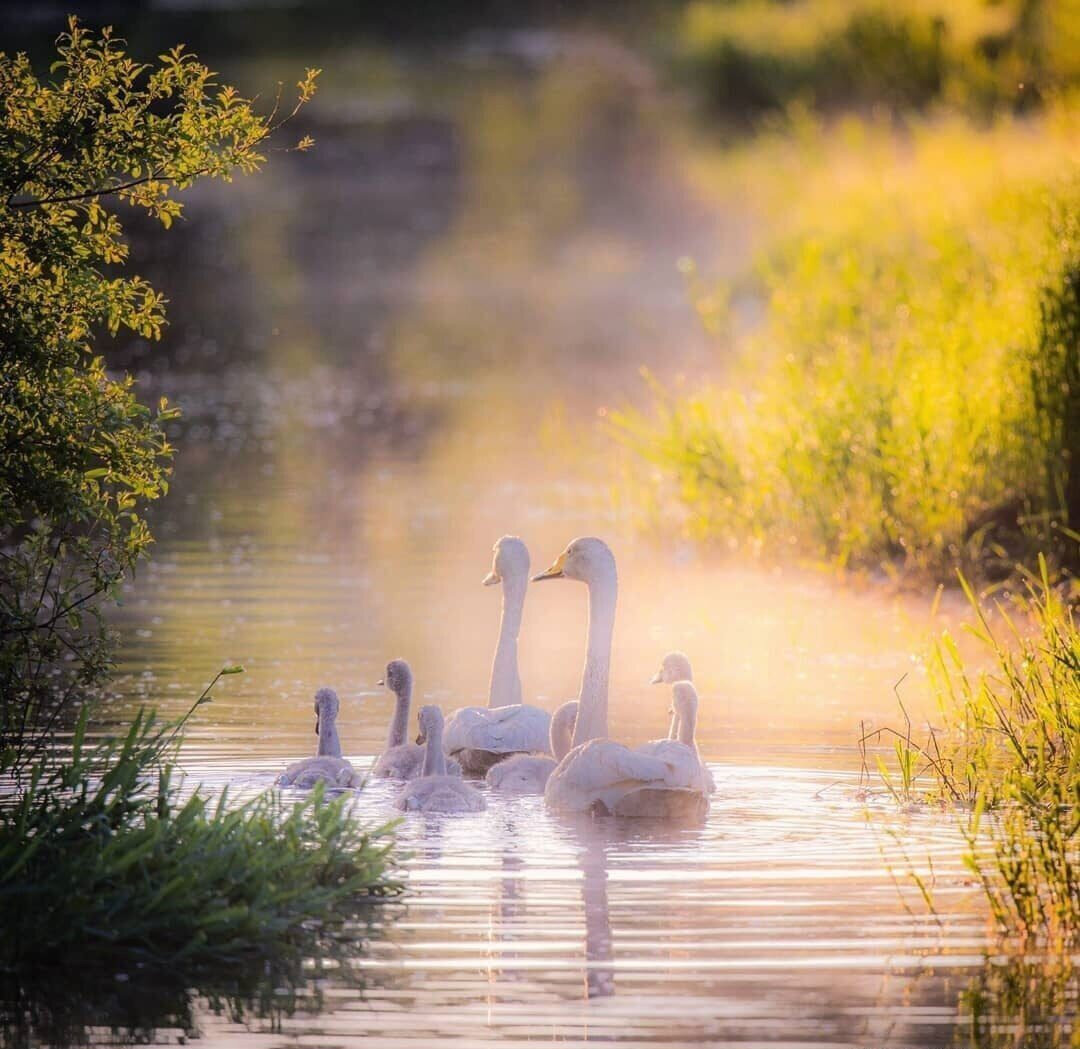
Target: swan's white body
529,773
676,667
328,765
402,759
480,737
434,790
600,776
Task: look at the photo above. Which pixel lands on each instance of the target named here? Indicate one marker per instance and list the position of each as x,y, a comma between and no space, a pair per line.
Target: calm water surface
392,352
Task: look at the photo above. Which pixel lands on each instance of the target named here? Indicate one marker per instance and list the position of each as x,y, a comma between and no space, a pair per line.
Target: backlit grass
911,396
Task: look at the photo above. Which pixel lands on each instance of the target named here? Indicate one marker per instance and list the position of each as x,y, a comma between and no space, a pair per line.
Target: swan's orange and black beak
492,578
556,571
657,678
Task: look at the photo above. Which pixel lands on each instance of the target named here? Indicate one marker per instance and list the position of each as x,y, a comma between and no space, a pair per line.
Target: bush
80,457
102,858
746,56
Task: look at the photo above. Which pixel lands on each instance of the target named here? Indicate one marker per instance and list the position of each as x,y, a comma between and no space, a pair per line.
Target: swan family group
517,748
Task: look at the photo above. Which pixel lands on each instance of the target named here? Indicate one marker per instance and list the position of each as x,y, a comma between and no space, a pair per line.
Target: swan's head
430,720
510,561
684,700
589,560
398,676
326,706
675,667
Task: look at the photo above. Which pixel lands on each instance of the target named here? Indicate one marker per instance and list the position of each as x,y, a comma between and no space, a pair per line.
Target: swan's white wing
601,771
502,730
684,767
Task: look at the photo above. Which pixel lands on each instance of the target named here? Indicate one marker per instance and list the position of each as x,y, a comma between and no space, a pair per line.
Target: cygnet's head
430,720
326,706
675,667
398,676
510,561
684,699
589,560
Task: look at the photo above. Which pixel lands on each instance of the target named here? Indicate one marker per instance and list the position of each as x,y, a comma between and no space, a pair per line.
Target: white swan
400,759
675,666
598,775
528,773
479,737
328,765
434,790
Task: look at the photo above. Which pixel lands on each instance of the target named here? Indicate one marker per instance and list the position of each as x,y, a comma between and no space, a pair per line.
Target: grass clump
101,857
910,397
750,56
1007,756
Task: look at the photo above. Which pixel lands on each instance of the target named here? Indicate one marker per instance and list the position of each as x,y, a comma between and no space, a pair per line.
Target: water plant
104,856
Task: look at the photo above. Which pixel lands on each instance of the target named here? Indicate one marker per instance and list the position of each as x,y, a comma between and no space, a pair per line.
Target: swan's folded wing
509,729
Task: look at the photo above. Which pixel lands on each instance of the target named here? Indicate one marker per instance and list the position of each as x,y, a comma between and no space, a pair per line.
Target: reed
101,854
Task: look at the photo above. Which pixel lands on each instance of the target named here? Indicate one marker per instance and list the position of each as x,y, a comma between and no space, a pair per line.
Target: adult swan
480,737
600,776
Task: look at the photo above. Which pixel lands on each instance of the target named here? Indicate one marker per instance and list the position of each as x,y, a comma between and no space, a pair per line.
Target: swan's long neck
434,758
592,719
505,680
562,729
687,725
673,732
399,723
329,744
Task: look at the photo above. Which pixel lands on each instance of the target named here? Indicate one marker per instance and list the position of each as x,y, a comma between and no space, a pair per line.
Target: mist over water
390,353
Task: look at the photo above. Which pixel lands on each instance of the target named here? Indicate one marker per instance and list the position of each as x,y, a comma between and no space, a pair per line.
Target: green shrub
80,457
101,856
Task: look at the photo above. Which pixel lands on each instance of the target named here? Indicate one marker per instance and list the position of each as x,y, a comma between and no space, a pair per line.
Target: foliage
1007,755
910,398
101,856
748,56
81,457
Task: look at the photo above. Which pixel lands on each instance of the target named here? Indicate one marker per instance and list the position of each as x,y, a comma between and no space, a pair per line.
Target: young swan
676,667
480,737
402,760
598,776
528,773
434,790
328,765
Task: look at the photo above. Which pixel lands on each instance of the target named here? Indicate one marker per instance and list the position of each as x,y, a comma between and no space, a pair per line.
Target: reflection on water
390,353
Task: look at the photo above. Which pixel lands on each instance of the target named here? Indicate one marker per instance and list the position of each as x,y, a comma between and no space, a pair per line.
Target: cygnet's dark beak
421,738
316,724
492,578
657,678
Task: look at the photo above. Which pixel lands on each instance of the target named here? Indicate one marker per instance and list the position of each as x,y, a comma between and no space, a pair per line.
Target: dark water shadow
74,1002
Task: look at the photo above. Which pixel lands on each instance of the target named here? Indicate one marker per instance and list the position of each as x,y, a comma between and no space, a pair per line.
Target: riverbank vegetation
105,861
903,392
82,457
103,856
752,56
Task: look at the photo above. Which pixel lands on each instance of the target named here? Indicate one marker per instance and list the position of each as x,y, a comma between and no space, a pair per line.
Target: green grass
1005,756
911,398
748,56
102,857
